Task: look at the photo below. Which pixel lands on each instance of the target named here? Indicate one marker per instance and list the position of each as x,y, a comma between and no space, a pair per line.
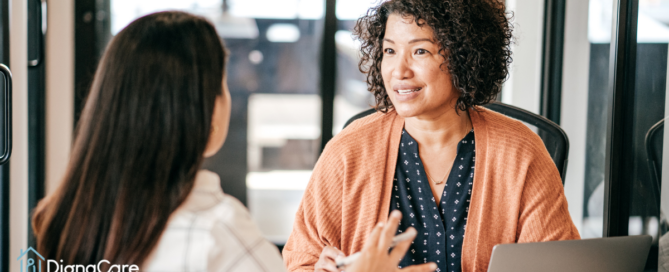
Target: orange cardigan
517,195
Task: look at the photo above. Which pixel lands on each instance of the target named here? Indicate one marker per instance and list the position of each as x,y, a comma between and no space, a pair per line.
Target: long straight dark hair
139,142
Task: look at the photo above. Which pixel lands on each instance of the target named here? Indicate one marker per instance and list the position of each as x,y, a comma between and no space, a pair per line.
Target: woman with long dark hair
134,193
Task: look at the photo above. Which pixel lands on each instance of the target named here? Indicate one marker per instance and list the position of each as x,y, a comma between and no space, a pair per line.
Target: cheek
441,80
385,72
431,72
386,76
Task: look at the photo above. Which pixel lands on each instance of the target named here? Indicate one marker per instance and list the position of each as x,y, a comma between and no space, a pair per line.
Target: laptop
615,254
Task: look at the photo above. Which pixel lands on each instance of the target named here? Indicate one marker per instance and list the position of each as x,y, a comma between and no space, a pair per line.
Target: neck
440,130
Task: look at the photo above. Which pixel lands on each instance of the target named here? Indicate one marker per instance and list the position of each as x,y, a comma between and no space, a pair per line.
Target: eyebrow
412,41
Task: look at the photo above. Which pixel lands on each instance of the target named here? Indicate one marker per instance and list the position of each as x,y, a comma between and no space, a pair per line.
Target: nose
402,69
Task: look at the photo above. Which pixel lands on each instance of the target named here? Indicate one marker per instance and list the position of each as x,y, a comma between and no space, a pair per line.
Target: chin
407,111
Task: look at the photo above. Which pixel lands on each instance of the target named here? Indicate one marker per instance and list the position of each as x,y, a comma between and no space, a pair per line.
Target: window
352,96
648,203
583,115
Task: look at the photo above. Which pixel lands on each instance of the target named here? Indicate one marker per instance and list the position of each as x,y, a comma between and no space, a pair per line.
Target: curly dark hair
474,38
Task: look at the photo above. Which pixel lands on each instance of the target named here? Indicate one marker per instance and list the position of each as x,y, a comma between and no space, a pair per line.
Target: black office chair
654,145
554,138
654,155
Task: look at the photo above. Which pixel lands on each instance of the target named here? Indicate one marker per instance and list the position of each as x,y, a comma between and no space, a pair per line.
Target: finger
329,267
330,253
390,229
373,239
339,252
401,248
428,267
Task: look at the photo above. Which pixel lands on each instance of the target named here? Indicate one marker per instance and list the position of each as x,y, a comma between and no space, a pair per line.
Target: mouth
408,91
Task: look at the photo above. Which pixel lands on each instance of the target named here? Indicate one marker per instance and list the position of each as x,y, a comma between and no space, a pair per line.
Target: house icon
30,262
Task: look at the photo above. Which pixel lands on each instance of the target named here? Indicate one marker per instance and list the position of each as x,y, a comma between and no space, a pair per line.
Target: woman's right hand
375,256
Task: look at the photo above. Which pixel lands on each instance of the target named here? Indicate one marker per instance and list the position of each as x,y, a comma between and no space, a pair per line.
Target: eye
388,51
421,51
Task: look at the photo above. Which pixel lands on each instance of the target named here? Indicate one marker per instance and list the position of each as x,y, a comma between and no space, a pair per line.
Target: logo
30,262
31,266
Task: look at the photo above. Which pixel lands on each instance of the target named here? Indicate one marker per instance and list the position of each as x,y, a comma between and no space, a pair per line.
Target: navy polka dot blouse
440,226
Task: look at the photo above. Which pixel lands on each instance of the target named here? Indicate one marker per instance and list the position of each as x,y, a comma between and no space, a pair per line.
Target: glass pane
274,136
584,109
351,96
646,216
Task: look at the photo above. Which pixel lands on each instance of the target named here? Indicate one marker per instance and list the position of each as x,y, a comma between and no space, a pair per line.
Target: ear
220,120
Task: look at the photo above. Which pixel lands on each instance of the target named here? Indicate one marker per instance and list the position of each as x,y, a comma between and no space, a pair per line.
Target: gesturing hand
375,256
326,262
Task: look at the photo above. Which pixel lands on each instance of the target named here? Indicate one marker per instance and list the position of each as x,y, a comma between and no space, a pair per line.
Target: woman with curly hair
465,177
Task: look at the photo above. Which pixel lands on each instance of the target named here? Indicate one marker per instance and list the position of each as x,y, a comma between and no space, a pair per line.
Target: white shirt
212,231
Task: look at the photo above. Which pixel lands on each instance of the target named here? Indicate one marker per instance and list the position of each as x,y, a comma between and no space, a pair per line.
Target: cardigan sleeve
544,215
318,218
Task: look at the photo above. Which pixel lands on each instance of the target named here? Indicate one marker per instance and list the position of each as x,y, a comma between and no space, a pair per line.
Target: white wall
59,89
18,179
574,109
523,89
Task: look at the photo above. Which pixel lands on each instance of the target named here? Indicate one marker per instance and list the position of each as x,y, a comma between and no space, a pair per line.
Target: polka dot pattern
440,224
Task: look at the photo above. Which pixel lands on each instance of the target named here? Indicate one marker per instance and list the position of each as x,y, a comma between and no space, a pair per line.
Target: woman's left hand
326,261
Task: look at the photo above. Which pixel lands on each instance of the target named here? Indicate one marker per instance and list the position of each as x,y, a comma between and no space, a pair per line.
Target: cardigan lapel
470,252
392,148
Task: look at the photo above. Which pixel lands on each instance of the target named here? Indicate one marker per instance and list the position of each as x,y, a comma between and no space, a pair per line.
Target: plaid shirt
212,231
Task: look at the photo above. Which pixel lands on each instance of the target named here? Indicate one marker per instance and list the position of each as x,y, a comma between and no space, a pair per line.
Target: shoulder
349,155
364,133
227,221
239,244
231,214
506,134
219,236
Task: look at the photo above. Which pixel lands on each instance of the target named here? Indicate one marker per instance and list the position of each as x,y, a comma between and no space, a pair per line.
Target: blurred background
294,81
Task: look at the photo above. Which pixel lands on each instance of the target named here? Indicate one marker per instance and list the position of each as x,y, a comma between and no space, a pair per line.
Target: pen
353,257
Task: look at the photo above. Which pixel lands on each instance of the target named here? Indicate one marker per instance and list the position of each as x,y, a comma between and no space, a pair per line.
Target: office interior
597,68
